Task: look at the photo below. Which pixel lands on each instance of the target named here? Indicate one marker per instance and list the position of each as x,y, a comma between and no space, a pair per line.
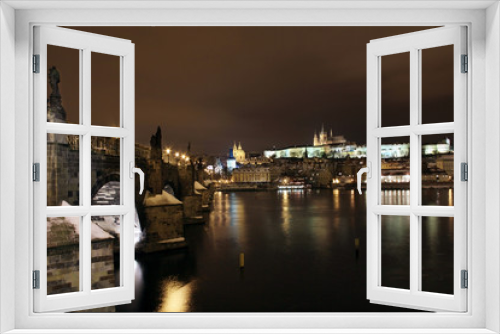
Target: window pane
395,89
106,231
63,169
437,170
105,89
437,254
105,171
63,255
63,70
437,84
395,171
395,251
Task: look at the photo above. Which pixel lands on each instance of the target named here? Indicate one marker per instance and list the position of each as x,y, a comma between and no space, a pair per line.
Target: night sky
261,86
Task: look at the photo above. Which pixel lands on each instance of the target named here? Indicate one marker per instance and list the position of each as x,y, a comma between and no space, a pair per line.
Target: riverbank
237,187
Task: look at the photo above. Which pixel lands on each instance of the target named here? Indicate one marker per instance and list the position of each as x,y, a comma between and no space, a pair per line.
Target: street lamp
168,156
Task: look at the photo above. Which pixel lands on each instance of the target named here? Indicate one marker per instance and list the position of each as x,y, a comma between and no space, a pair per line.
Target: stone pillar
63,257
186,181
165,229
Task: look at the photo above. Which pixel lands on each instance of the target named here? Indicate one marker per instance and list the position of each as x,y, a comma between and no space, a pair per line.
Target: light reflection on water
395,197
299,256
176,295
286,215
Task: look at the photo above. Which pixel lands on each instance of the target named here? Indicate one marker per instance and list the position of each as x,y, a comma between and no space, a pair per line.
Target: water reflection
395,197
336,199
395,251
285,214
437,254
176,296
300,256
439,196
353,200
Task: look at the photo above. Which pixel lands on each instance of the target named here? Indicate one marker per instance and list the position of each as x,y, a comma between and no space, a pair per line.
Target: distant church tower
238,153
325,138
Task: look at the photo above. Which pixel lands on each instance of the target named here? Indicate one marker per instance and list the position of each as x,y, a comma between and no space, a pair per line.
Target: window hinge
36,172
464,171
36,279
465,279
36,63
465,64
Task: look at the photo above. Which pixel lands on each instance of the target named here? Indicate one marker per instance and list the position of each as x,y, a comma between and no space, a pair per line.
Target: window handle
139,171
368,171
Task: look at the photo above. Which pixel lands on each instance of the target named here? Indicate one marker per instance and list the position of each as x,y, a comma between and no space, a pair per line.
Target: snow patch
97,233
159,200
199,186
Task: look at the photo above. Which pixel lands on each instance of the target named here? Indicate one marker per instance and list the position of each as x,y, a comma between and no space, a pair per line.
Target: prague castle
325,139
326,145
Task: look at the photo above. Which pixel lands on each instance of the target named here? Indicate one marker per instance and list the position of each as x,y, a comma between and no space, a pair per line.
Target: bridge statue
54,80
55,112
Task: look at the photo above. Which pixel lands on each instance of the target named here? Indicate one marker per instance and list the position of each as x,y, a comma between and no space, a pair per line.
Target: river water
300,256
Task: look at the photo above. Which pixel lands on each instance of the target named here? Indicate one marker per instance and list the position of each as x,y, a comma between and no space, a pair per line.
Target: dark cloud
263,86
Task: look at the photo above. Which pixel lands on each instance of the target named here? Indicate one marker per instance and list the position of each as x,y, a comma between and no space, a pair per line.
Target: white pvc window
411,215
65,202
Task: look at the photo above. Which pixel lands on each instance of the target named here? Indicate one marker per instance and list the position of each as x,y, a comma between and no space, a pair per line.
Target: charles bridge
172,198
63,170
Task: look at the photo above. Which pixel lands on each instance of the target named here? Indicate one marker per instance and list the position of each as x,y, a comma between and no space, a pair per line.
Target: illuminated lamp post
168,156
177,158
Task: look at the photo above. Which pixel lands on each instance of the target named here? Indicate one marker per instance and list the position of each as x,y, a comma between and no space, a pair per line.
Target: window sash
87,43
413,43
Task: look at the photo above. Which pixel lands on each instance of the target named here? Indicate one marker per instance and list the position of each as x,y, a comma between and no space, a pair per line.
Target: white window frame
414,44
86,44
481,17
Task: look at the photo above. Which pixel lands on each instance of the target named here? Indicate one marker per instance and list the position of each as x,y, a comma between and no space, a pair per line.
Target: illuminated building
325,139
218,167
255,174
236,156
391,151
442,147
231,164
238,153
338,147
446,163
395,176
